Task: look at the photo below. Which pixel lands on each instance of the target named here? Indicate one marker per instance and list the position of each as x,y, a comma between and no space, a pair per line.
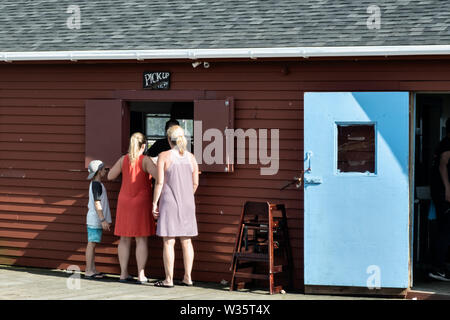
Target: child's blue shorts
94,234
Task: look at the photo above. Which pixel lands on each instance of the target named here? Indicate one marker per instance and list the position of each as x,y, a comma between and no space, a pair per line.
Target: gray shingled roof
40,25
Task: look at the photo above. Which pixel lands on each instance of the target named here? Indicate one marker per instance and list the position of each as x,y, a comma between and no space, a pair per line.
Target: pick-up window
110,122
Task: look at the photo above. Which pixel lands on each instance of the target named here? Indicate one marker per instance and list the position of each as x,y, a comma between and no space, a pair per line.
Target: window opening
356,148
150,118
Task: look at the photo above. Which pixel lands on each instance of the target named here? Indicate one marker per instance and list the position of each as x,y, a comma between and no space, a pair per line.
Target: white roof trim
251,53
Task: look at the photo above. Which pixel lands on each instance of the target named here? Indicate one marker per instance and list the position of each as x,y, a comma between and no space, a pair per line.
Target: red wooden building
51,92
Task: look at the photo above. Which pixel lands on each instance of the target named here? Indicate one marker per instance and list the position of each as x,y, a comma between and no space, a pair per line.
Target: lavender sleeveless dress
177,205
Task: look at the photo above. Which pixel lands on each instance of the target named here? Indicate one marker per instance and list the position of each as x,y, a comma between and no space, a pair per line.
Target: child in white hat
98,217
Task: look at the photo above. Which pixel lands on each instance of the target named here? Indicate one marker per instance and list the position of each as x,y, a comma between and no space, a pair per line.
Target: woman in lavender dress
176,183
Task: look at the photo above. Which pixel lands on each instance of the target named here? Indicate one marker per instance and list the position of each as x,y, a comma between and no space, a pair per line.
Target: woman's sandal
182,283
161,284
129,279
142,282
95,276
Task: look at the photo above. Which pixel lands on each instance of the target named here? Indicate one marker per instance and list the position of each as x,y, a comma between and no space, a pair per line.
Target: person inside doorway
161,145
440,195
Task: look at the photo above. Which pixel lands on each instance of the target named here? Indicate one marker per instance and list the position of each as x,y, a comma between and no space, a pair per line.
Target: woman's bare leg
169,259
141,257
188,258
124,256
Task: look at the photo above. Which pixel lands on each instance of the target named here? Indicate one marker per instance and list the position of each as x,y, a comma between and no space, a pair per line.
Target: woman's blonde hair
176,136
136,142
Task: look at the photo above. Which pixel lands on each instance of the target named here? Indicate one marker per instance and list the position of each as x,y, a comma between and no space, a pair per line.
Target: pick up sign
157,80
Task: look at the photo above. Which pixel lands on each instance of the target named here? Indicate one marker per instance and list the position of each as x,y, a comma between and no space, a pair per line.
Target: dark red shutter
217,114
106,130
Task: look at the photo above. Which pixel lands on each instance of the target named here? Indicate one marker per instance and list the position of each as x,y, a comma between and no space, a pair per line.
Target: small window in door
356,148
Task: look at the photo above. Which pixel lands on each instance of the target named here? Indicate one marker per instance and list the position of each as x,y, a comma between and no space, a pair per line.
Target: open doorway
432,111
150,118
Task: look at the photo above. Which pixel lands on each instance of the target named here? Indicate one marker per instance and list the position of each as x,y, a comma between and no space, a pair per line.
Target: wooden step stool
262,245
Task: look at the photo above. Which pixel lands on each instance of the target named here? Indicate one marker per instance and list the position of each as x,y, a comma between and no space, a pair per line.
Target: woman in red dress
134,217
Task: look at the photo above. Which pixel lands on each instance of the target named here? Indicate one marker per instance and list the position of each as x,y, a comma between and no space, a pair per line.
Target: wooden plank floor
20,283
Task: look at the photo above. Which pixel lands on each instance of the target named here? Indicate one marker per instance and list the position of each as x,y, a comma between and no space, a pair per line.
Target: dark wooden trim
153,95
356,291
412,132
247,60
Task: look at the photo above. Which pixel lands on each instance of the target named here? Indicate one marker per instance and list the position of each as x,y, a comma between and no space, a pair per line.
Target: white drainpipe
246,53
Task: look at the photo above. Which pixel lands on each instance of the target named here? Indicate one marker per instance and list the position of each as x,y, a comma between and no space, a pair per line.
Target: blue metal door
356,222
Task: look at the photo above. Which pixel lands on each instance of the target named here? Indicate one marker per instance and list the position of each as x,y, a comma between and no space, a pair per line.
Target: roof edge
251,53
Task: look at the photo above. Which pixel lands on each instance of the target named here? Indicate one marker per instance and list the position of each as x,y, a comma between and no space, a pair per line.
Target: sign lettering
157,80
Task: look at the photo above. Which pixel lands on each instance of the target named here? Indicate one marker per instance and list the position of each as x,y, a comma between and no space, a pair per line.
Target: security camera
206,65
196,64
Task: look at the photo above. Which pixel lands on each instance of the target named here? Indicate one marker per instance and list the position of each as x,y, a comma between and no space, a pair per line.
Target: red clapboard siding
48,103
43,186
45,137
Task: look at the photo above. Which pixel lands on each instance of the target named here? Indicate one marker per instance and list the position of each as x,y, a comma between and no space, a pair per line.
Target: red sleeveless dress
134,206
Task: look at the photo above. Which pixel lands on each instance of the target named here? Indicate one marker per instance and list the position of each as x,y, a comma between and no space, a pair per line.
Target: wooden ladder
262,247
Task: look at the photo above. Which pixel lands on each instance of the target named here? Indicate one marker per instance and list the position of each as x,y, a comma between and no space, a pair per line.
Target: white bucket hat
93,167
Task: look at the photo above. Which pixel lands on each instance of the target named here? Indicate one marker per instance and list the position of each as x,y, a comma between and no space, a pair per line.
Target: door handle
313,180
296,180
